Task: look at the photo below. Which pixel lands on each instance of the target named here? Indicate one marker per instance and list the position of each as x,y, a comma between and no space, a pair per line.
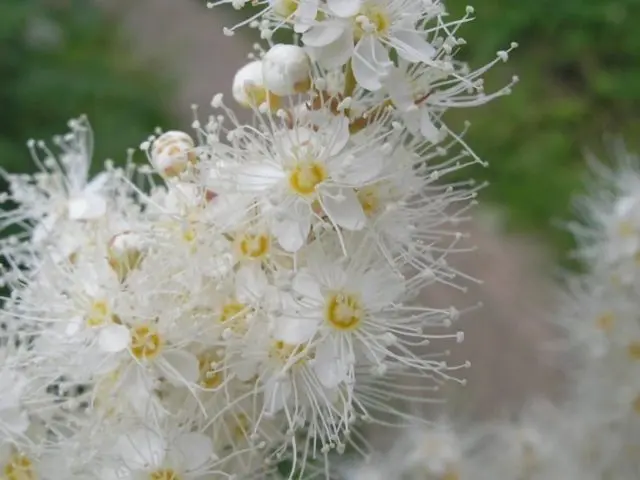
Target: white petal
141,449
305,15
257,177
412,47
289,141
181,367
328,273
370,63
380,289
344,208
97,183
276,394
323,34
363,170
43,229
112,473
427,128
73,326
11,387
141,395
295,330
193,450
344,8
399,89
251,283
230,210
87,207
244,369
14,420
292,230
339,128
328,366
305,284
335,54
625,206
114,338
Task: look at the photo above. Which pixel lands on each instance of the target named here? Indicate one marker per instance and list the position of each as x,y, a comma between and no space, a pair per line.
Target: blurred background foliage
578,60
579,69
63,58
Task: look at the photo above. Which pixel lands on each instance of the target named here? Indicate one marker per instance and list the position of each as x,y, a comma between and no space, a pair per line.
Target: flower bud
286,70
124,253
249,89
171,153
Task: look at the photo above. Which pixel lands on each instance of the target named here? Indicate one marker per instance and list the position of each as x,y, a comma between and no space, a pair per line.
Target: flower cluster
244,299
593,432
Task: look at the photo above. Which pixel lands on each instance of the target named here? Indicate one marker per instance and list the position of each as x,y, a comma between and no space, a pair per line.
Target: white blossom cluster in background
235,307
594,432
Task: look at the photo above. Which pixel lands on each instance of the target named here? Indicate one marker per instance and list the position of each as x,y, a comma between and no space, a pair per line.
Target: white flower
172,152
295,171
257,298
17,464
286,70
249,89
365,32
147,452
150,344
60,191
346,310
14,420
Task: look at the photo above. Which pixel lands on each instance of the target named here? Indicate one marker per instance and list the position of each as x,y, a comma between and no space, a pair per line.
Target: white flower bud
286,70
171,153
249,89
125,251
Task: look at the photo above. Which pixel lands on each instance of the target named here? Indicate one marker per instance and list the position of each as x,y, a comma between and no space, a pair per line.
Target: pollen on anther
343,311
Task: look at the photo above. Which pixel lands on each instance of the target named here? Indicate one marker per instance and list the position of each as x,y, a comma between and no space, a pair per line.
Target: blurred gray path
501,339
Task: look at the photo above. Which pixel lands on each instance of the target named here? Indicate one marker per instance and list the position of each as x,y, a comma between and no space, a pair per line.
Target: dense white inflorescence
238,305
593,432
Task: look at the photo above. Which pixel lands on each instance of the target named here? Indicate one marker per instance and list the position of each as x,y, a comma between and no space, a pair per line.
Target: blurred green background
60,59
579,69
579,64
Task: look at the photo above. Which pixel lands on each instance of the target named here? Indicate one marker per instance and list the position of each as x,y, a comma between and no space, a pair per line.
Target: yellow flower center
306,176
343,311
451,474
123,262
605,322
233,311
241,427
633,349
19,467
285,352
164,474
99,314
530,461
234,315
145,342
377,22
210,374
189,235
626,229
285,8
257,95
254,246
369,199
